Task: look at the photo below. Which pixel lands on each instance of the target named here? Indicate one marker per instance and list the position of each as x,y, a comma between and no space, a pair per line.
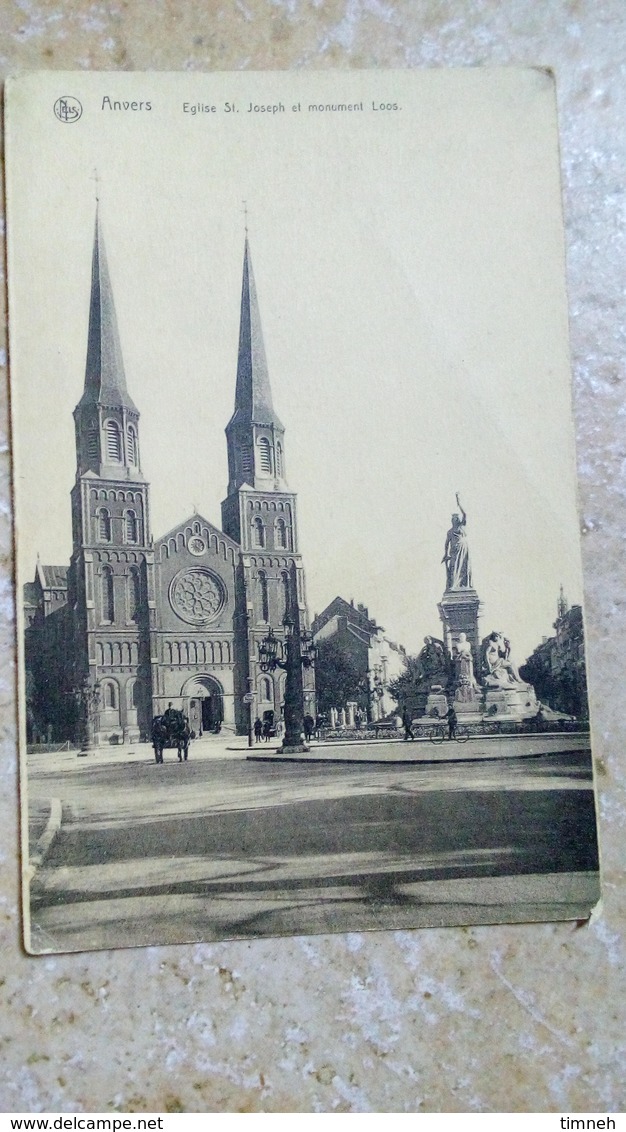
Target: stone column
351,709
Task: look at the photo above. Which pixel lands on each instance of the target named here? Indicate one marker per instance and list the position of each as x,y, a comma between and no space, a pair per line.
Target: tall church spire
105,381
253,395
106,418
255,435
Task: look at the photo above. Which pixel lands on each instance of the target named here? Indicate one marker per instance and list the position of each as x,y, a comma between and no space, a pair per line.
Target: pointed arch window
103,519
279,459
265,605
265,456
258,532
113,442
131,445
281,540
131,526
107,595
134,594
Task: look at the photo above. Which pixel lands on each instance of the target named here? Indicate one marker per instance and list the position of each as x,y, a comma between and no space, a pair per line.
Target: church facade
135,622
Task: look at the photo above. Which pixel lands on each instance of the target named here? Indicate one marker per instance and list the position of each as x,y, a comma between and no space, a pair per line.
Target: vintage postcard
301,645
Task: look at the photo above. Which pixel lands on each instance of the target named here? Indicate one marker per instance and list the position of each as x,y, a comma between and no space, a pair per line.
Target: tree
405,687
338,678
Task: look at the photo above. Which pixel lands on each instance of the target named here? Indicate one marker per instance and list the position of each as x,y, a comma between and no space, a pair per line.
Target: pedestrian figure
406,723
309,724
451,716
267,727
258,730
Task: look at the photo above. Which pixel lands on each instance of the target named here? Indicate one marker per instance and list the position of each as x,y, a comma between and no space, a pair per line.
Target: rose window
197,595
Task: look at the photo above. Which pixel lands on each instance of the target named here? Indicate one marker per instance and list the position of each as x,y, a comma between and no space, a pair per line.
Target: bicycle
491,727
439,733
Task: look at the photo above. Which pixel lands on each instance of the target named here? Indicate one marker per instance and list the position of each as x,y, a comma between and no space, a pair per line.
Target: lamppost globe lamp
268,652
297,652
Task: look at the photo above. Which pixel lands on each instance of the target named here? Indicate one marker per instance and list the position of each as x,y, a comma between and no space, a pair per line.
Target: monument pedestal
436,703
511,703
459,611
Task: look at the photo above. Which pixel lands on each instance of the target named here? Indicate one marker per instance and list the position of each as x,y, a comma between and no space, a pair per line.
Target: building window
109,696
131,527
108,598
265,456
132,445
103,520
279,459
258,532
93,446
265,690
247,463
113,442
280,534
134,594
265,605
286,592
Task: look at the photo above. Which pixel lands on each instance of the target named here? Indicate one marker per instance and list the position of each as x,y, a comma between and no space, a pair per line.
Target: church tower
259,511
111,578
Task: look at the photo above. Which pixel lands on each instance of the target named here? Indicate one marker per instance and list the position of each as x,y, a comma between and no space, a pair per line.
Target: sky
410,275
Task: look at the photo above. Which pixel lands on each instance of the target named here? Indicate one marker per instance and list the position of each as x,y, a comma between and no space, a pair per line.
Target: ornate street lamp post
297,652
88,700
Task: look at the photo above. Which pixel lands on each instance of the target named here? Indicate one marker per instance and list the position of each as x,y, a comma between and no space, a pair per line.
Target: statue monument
477,677
506,694
456,553
464,679
460,605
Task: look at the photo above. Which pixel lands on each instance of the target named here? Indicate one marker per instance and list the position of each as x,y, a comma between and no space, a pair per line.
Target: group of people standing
263,730
266,729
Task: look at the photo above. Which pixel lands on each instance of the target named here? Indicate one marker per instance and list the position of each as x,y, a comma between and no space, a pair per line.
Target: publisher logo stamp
68,109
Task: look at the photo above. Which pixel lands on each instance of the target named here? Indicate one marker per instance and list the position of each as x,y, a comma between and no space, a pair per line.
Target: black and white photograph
301,638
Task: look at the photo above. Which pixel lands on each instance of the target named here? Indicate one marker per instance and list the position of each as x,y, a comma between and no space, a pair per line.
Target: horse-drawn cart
171,730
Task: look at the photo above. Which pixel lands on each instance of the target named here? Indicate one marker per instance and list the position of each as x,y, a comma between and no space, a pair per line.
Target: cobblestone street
221,846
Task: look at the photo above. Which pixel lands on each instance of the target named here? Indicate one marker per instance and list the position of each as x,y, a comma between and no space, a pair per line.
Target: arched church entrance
203,697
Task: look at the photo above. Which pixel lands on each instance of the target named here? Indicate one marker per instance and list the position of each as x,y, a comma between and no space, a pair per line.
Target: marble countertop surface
525,1018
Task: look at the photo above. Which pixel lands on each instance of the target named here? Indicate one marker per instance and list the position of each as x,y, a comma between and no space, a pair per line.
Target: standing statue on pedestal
464,663
456,553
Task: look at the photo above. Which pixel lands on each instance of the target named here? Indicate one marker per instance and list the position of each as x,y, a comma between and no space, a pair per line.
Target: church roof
188,526
53,577
253,396
105,380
